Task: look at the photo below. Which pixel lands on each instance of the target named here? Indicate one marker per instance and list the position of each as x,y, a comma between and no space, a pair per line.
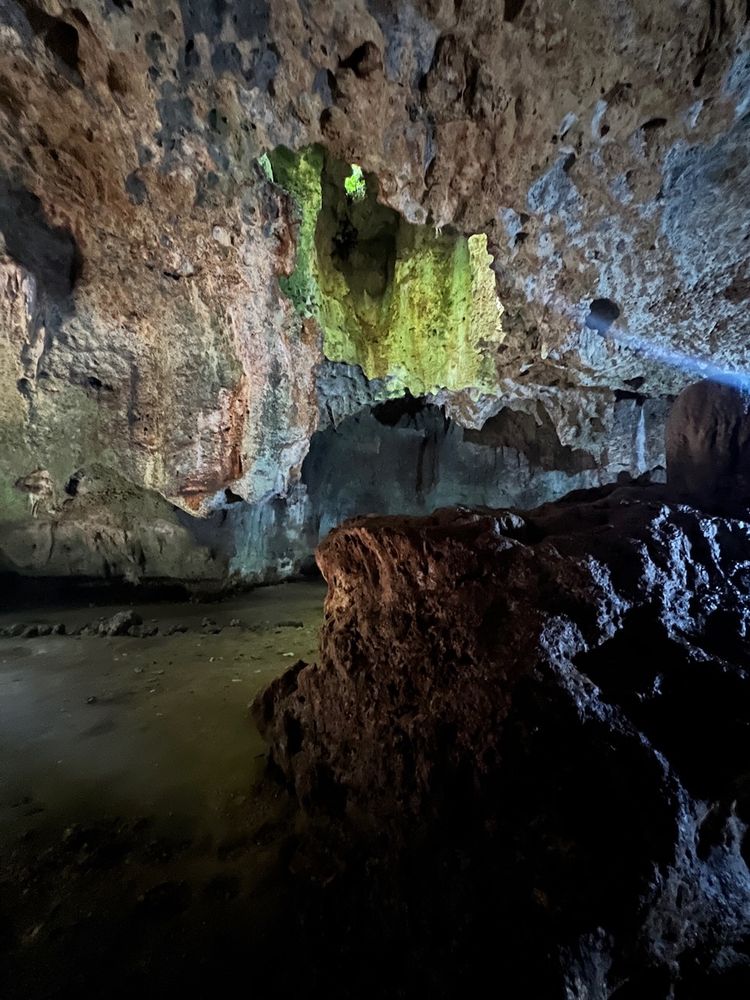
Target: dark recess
391,411
653,123
536,439
60,37
48,252
364,60
602,314
71,487
512,9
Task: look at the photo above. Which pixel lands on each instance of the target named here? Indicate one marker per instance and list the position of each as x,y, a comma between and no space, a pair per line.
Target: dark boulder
708,446
560,700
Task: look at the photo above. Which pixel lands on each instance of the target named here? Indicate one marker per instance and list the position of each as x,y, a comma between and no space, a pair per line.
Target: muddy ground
144,848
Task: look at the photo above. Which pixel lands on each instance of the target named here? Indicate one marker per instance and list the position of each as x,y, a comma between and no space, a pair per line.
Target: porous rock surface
149,360
571,682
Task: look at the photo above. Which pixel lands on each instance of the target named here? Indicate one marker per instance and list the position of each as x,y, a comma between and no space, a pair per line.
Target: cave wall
407,456
160,380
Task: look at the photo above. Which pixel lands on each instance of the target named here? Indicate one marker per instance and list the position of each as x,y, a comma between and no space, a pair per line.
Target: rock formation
173,185
569,684
708,446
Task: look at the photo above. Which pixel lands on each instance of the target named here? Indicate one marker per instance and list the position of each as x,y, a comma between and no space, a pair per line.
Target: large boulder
565,688
708,445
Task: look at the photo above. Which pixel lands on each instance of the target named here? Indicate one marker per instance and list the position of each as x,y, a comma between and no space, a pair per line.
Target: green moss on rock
299,174
395,298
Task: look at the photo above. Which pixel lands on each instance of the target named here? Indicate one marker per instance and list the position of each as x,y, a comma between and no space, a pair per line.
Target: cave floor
136,817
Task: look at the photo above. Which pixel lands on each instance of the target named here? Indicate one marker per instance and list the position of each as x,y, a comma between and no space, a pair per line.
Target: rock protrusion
708,445
564,691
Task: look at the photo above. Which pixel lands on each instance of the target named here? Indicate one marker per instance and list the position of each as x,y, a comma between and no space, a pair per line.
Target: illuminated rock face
168,312
396,299
560,698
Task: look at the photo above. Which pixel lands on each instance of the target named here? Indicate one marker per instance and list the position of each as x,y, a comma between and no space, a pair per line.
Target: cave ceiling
590,157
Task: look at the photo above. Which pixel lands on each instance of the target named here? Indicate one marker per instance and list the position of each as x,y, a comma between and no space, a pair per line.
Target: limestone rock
144,247
569,684
120,623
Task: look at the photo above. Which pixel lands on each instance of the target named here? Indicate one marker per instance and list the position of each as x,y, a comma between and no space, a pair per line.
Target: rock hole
392,411
293,734
232,497
71,487
653,123
97,385
512,9
364,60
49,252
62,39
81,18
192,58
602,314
623,394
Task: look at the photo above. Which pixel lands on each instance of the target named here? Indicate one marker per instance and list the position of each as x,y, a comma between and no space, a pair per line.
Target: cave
375,480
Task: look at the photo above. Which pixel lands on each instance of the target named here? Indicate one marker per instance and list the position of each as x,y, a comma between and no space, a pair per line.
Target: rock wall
154,350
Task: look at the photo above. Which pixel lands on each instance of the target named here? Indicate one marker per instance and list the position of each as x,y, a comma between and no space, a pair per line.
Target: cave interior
375,499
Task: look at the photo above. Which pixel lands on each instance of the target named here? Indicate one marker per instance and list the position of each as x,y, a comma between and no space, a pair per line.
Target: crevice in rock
512,9
58,35
392,411
364,60
621,394
534,437
49,252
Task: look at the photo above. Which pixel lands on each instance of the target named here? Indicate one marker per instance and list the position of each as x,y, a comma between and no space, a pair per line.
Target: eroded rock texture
570,684
152,352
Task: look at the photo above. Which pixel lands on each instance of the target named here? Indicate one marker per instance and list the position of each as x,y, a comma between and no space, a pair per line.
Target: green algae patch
300,175
395,298
265,165
444,313
355,184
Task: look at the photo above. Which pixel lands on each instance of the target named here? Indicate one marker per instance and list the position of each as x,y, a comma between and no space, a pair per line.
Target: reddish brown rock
557,704
431,624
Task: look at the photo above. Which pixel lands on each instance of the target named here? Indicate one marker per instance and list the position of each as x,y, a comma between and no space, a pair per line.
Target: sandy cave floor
136,817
